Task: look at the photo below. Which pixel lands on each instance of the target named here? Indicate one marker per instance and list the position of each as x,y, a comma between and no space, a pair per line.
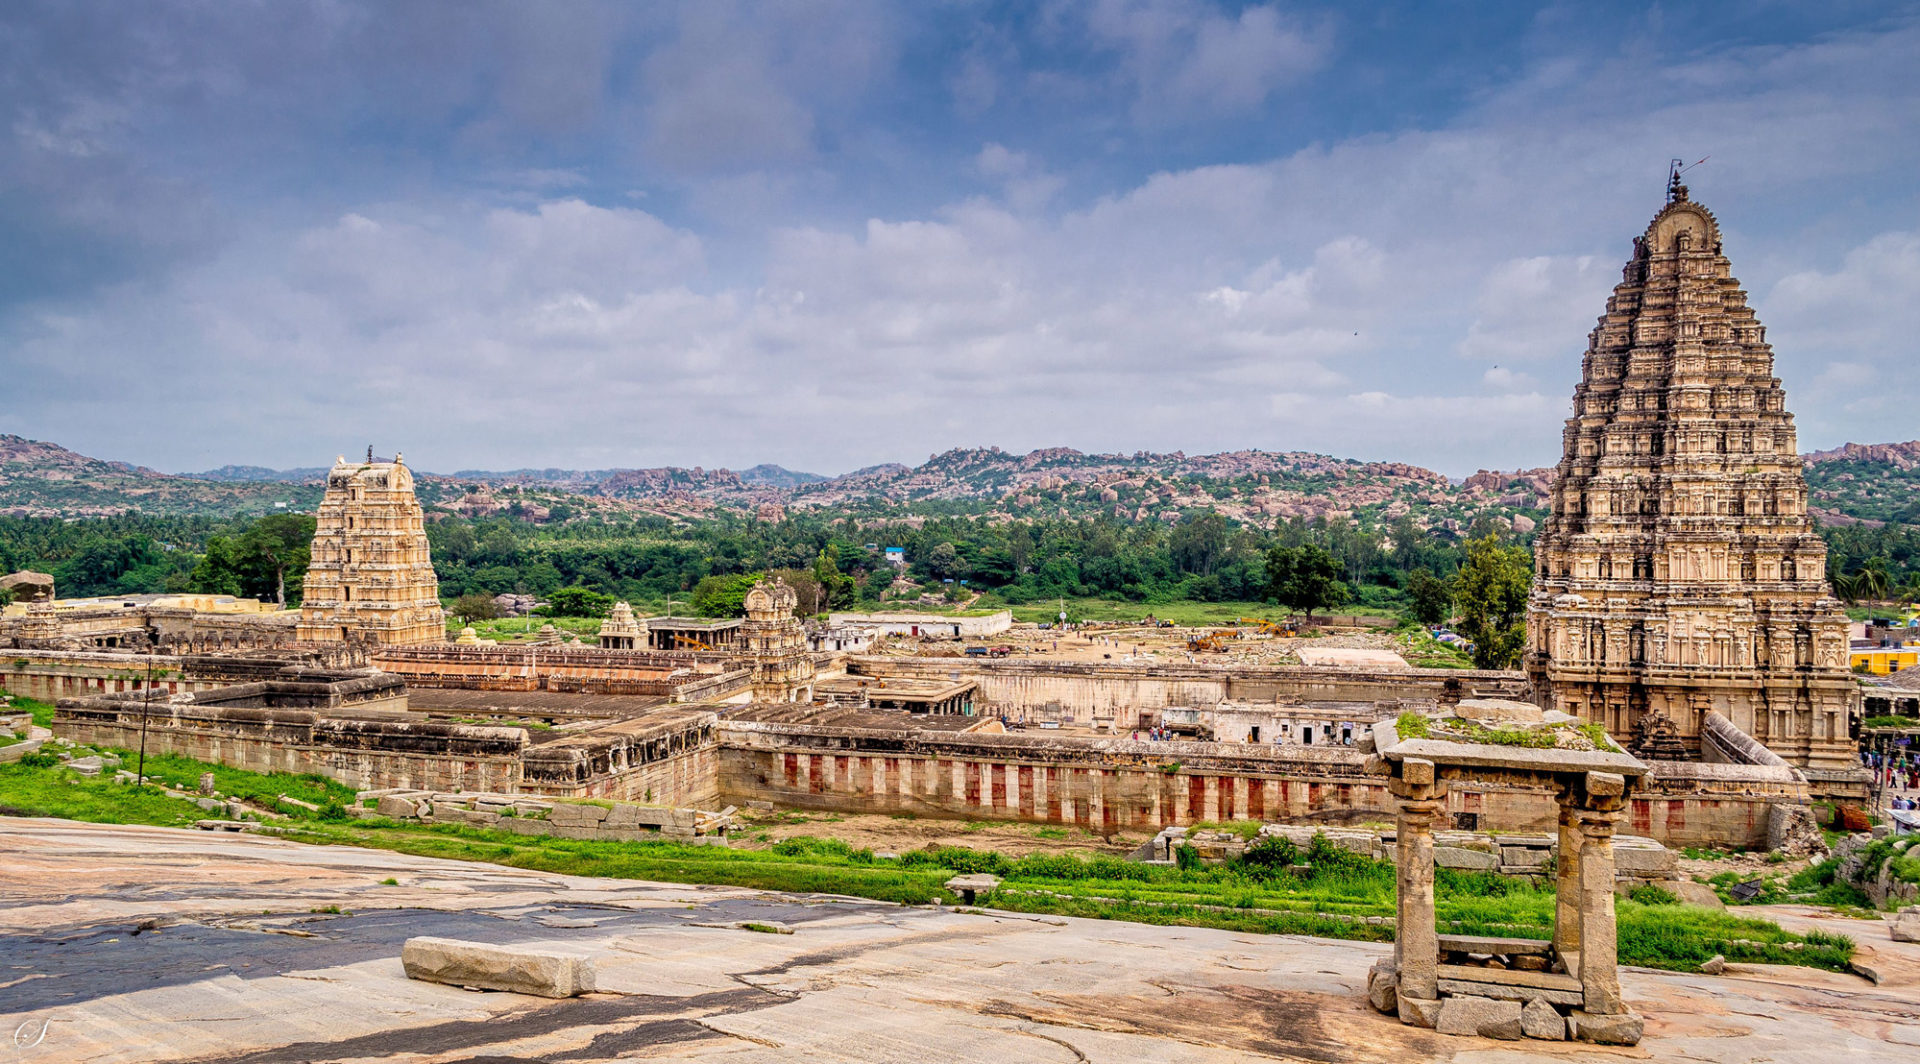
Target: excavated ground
155,944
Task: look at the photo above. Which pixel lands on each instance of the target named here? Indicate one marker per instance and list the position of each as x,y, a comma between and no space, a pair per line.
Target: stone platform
680,978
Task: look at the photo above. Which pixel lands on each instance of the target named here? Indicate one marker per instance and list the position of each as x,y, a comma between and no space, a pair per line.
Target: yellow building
1884,661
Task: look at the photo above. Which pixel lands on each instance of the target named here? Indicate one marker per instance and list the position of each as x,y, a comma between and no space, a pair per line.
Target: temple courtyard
156,944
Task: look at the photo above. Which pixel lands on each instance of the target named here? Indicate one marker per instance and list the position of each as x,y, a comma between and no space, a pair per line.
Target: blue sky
838,233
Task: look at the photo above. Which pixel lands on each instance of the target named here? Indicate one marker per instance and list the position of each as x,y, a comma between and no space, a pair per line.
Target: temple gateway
1677,573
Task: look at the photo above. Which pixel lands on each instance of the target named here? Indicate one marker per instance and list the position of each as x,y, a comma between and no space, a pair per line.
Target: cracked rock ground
152,944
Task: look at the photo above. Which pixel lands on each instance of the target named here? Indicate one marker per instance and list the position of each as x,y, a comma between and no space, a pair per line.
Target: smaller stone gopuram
372,578
1568,986
777,645
622,631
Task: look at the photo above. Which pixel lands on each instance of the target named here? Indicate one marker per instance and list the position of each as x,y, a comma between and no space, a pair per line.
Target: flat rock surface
248,964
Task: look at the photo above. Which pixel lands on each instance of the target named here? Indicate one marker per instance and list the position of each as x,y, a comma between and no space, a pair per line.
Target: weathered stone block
1714,965
397,807
1904,926
1623,1029
1480,1016
1383,986
623,816
1418,1012
521,971
576,813
1647,862
20,750
1456,857
575,831
523,826
1541,1020
1524,857
1691,893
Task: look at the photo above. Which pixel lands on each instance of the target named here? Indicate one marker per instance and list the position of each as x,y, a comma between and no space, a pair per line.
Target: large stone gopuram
776,645
372,578
1677,572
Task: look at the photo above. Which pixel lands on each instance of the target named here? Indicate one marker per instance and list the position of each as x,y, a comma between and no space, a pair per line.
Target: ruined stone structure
776,645
622,631
372,577
1677,572
1573,988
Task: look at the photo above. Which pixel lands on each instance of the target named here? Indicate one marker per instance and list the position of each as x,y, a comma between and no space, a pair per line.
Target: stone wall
1121,693
1113,785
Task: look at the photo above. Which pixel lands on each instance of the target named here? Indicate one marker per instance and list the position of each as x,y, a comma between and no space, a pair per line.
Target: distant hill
46,480
229,474
1857,482
773,476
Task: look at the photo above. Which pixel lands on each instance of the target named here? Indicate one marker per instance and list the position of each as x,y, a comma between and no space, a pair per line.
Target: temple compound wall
1126,697
49,675
371,578
1107,785
1678,573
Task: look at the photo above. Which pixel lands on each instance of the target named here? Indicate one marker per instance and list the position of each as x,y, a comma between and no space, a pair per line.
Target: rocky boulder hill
1872,482
46,480
1865,483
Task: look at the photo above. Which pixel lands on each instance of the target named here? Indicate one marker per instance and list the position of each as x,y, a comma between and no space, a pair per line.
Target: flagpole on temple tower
146,707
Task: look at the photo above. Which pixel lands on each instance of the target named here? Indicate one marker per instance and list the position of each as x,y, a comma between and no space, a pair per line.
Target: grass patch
42,711
1277,887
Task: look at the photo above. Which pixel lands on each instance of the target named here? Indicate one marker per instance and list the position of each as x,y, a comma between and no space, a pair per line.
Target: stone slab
1623,1029
1539,1019
1504,992
1489,944
490,967
1486,1017
1464,859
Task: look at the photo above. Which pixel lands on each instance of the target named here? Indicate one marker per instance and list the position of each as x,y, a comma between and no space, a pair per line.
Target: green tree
578,602
723,596
943,562
1199,544
1432,599
836,587
1491,593
280,545
1304,578
475,606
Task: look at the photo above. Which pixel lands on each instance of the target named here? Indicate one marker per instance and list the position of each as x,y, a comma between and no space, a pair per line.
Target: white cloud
1185,58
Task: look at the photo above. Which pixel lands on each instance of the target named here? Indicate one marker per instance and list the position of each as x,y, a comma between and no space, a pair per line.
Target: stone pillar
1416,941
1599,956
1566,907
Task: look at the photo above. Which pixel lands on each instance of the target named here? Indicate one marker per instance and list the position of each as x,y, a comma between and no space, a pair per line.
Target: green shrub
1648,894
1268,857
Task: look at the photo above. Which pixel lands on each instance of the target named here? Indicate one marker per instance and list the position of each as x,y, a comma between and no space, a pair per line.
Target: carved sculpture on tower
1677,572
371,578
776,644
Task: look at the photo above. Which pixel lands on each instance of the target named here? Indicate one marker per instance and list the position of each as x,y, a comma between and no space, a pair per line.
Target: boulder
1904,926
490,967
397,807
1383,987
1499,709
1541,1020
1485,1017
1620,1029
1714,965
1691,893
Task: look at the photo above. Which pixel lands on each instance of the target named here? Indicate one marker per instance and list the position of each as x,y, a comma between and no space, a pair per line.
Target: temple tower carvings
776,644
371,579
1678,572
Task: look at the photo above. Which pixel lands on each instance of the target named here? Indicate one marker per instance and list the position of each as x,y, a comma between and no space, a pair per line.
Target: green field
1318,890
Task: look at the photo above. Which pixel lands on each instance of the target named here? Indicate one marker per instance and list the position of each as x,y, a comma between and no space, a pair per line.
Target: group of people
1897,770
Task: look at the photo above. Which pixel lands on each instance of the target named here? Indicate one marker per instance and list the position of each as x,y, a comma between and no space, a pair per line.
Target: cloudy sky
829,234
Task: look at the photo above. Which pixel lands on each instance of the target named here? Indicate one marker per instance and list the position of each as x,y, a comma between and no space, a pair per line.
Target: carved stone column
1416,945
1566,902
1599,940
